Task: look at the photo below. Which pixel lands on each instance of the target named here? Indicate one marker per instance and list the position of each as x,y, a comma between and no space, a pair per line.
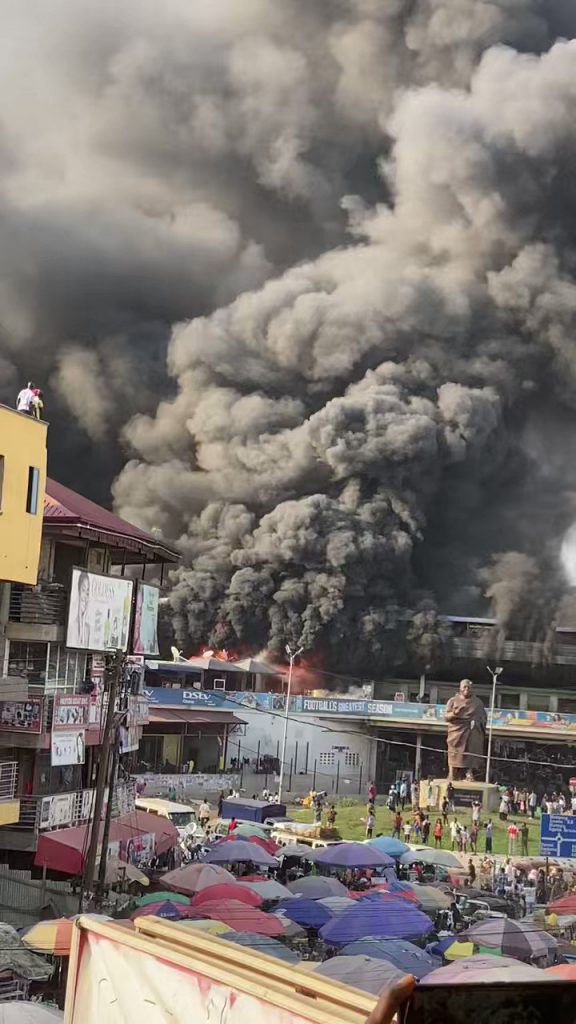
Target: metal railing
8,779
44,604
511,650
66,810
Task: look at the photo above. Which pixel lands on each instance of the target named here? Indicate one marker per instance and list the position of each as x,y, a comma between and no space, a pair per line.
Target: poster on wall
71,711
21,715
57,810
99,611
68,748
145,637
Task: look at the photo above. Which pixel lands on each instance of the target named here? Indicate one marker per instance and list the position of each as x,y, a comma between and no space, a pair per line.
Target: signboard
21,716
558,835
57,811
145,635
99,611
68,748
71,711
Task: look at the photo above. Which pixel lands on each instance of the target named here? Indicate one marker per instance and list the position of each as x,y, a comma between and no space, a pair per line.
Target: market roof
65,511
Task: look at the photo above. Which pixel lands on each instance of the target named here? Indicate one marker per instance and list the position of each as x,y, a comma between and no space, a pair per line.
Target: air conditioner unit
219,684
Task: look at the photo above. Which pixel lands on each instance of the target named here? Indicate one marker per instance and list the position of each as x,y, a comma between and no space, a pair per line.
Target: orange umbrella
50,936
567,971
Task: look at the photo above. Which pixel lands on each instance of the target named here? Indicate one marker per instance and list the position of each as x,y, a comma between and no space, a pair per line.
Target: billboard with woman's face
145,639
99,611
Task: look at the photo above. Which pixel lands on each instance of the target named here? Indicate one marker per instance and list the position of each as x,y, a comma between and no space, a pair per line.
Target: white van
182,816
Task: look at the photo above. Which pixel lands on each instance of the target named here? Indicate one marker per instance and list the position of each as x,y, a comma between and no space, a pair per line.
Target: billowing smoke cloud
361,214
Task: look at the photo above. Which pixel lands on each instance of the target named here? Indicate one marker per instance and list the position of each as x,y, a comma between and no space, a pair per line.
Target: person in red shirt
438,833
232,826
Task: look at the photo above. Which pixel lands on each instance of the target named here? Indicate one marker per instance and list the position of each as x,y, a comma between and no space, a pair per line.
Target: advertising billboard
71,711
21,715
68,748
99,611
145,638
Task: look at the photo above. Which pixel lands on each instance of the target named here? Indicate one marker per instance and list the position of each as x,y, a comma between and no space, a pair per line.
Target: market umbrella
193,877
53,936
489,969
263,944
404,890
565,905
377,916
457,950
227,891
238,852
305,912
566,971
119,871
336,904
316,887
242,918
299,850
352,855
267,888
264,843
517,939
249,828
168,910
431,899
404,955
22,1012
159,897
363,972
439,858
389,845
290,930
207,925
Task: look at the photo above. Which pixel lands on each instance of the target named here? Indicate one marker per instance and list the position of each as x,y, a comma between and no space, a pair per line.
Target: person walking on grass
532,803
407,831
398,823
454,833
445,810
474,837
524,832
438,829
488,829
370,823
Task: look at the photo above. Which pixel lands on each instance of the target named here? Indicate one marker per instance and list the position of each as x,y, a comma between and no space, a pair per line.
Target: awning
65,849
190,716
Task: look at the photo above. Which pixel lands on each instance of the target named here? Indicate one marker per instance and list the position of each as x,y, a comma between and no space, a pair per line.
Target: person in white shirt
204,814
407,831
25,400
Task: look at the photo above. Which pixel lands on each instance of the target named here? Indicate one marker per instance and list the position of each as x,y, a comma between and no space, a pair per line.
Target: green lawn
352,826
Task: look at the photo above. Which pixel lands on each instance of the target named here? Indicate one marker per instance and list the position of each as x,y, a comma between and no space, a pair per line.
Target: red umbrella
227,892
193,877
565,905
242,918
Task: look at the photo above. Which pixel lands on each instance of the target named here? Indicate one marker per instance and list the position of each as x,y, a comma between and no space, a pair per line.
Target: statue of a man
466,718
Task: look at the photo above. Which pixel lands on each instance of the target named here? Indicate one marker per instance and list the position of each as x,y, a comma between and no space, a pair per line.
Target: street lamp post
494,672
292,655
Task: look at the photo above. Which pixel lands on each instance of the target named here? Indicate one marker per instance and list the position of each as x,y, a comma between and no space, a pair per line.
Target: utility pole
103,772
494,672
292,655
108,813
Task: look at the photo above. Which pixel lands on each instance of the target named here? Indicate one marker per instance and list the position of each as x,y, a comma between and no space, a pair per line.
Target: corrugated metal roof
191,716
64,507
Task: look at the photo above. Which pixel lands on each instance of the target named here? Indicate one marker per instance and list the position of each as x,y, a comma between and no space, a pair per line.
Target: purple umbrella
239,851
379,918
353,855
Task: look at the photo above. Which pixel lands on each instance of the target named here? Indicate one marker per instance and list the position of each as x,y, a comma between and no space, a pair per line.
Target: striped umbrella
517,939
50,936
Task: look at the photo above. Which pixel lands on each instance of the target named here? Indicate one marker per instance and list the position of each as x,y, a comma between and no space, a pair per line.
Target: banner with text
99,611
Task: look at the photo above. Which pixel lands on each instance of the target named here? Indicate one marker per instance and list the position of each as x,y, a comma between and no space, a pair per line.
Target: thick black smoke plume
362,215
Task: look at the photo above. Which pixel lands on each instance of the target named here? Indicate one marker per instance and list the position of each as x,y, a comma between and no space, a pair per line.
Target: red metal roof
64,507
65,849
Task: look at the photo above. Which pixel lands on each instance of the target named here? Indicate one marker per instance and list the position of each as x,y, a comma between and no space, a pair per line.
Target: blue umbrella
402,954
440,947
239,850
262,944
353,855
308,913
377,917
394,887
388,844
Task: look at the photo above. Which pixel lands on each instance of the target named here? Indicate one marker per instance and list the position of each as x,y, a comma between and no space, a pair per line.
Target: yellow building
22,484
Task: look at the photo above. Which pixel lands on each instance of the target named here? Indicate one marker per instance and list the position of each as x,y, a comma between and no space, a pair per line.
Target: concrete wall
22,446
338,750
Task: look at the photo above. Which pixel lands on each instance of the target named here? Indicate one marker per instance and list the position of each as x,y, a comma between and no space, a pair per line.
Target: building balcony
9,802
66,810
42,605
524,651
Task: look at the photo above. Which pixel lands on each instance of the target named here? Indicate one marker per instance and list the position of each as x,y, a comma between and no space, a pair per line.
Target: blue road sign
558,835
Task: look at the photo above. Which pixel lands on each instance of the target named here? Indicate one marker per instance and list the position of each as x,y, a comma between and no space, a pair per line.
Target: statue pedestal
464,794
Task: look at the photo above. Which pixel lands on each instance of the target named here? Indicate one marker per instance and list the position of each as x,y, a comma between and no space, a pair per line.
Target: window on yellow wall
1,480
33,488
